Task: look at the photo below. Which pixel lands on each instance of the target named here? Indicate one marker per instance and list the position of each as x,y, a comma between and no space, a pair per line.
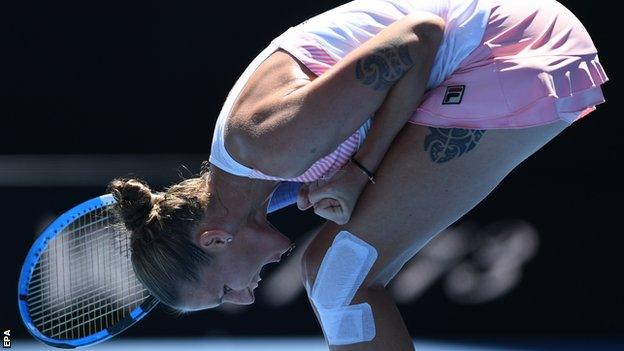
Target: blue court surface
316,344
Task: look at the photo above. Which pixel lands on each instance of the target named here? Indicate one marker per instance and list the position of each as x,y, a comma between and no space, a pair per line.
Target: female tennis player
398,116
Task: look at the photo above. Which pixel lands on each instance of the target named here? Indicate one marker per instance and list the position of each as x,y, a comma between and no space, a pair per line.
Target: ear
215,240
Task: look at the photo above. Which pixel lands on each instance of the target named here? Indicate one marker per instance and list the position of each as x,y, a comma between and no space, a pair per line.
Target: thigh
429,178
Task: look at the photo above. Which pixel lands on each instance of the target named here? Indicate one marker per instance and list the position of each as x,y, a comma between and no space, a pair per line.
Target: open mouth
267,268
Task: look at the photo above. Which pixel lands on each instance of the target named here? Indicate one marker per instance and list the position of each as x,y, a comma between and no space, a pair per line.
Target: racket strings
78,247
84,281
83,259
34,288
114,316
89,305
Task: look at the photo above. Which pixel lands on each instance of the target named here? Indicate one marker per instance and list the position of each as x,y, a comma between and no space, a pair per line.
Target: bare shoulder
277,76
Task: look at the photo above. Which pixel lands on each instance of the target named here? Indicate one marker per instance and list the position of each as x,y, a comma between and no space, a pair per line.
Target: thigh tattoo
445,144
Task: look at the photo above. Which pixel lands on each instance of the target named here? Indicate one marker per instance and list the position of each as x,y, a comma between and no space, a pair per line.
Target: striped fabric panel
325,167
307,50
313,56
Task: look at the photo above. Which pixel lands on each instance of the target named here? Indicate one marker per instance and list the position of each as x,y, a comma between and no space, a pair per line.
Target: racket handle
284,195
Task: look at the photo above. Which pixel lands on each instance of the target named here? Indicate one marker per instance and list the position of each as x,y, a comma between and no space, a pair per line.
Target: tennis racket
77,286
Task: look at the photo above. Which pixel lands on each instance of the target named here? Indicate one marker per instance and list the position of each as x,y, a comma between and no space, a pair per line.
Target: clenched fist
334,198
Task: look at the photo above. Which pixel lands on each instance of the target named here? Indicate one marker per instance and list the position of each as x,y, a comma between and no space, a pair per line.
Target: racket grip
284,195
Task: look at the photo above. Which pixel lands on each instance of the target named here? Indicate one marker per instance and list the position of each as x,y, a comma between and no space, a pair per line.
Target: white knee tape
343,269
349,324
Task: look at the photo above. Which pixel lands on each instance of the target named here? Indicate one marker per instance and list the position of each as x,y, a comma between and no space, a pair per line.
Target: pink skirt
536,64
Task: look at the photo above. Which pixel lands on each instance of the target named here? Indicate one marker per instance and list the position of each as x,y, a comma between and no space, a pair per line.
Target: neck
245,194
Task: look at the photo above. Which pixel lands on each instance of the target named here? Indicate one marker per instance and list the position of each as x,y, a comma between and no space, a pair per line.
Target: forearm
399,105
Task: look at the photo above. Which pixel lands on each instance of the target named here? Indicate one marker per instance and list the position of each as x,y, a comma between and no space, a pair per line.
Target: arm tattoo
384,66
445,144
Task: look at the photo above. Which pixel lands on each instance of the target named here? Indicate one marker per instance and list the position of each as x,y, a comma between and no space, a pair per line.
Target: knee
429,28
309,265
344,264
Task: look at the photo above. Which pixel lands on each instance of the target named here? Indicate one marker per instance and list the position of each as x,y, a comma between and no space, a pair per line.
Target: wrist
366,173
356,175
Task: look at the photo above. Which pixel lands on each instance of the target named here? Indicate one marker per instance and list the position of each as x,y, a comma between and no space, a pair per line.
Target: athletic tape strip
343,269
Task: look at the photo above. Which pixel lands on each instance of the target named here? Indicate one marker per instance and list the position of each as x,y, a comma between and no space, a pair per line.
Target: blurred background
90,91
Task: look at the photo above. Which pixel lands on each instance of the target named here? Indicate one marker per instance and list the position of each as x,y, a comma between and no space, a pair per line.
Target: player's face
234,271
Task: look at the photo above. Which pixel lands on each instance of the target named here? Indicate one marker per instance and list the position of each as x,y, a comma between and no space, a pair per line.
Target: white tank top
323,40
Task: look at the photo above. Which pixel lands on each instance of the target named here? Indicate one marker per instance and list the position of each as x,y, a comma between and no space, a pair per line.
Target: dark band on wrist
369,174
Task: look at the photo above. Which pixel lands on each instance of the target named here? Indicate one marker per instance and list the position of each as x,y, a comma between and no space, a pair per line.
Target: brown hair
161,225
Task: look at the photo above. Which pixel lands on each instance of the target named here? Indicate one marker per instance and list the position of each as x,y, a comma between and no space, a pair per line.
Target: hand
334,198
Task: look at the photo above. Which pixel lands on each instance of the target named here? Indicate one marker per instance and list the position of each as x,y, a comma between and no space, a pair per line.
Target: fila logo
454,94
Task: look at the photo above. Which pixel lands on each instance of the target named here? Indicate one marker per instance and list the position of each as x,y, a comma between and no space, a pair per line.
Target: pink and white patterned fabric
536,65
514,64
323,40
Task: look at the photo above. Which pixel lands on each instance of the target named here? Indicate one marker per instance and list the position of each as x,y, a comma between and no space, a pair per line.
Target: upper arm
294,130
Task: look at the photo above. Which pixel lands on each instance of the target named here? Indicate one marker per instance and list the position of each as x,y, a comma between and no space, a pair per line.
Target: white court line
243,344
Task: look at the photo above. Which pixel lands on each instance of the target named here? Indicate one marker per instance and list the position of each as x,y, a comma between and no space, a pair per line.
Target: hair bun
134,201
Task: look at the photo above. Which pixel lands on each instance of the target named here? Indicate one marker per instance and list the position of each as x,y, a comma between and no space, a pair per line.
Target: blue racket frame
31,261
284,195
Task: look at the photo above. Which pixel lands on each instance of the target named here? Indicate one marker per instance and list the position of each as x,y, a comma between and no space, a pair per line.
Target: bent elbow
429,28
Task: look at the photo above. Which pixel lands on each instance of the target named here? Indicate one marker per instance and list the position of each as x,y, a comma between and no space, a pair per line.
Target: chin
251,300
